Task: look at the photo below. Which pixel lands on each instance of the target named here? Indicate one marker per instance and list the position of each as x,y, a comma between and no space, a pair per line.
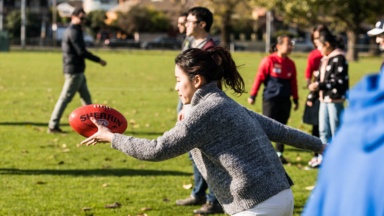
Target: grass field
46,174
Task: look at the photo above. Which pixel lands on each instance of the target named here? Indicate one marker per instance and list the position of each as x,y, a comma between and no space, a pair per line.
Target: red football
80,121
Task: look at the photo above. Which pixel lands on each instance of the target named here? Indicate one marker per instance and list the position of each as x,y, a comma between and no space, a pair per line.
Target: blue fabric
351,180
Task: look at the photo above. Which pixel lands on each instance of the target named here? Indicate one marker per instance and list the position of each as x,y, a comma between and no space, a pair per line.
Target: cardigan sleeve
278,132
171,144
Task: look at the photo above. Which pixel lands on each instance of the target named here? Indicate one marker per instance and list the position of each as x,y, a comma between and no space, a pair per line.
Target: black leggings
279,111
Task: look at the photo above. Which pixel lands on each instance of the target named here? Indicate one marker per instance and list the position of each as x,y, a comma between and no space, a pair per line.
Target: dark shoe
55,130
209,208
190,201
283,160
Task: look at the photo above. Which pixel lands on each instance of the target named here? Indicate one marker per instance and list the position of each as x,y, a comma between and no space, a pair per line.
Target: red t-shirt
313,63
278,74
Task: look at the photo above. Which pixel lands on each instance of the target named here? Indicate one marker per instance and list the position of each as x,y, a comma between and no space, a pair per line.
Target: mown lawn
46,174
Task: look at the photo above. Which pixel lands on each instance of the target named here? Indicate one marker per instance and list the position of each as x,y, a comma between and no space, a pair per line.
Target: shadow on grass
27,123
45,124
93,172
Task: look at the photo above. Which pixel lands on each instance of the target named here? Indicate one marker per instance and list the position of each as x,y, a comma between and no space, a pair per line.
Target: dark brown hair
214,64
279,40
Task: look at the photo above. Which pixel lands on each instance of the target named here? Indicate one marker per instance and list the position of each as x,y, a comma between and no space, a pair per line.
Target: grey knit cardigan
231,146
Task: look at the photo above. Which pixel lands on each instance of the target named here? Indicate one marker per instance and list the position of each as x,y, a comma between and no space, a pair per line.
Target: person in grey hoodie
230,144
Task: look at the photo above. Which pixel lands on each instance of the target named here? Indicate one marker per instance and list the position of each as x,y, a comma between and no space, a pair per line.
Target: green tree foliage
141,19
96,21
340,15
13,24
228,13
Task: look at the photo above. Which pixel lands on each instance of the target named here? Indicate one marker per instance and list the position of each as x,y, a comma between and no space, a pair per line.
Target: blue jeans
73,83
200,185
329,120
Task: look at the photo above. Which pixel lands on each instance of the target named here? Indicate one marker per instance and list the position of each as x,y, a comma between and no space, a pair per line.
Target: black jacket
336,82
74,51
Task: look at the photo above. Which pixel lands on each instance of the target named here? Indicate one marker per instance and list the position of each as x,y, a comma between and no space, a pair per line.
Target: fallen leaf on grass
113,205
146,209
105,185
142,214
187,186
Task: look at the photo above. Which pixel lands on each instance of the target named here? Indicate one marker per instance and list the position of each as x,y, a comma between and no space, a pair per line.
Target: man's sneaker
55,130
283,160
191,201
209,208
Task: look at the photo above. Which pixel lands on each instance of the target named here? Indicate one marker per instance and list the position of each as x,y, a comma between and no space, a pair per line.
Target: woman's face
325,49
185,87
285,48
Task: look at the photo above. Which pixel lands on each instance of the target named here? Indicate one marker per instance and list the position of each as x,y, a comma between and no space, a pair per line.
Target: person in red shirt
278,74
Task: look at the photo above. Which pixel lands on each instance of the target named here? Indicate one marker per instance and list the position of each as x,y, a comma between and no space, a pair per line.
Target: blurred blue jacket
351,179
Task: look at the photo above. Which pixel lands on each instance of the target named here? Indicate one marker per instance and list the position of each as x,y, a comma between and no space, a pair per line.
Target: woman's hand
103,135
251,101
309,103
313,86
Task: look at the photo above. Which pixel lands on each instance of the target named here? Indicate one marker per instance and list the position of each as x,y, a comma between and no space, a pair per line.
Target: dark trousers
279,111
315,132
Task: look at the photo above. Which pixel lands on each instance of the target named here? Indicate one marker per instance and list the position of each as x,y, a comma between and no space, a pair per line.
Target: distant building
105,5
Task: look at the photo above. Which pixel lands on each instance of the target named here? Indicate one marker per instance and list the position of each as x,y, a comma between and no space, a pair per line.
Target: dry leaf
105,185
146,209
298,158
113,205
187,186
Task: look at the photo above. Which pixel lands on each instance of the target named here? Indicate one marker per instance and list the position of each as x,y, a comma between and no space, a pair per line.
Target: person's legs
85,95
279,111
71,86
200,185
211,207
197,196
324,128
335,110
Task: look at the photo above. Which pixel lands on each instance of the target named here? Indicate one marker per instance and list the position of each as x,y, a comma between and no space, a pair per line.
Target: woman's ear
198,81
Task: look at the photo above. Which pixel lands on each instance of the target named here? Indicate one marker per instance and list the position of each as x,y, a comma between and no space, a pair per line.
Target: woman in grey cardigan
230,144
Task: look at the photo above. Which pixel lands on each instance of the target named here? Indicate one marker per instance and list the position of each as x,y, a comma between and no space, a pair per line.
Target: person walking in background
311,110
181,21
378,32
331,84
278,73
74,55
230,144
198,25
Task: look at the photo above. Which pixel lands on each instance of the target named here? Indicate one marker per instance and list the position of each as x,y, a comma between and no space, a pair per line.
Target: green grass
45,174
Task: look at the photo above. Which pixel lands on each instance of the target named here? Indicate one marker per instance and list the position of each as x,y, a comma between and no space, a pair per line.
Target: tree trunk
226,29
353,52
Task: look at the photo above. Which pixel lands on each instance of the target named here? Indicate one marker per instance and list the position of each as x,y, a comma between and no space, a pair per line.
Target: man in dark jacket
74,55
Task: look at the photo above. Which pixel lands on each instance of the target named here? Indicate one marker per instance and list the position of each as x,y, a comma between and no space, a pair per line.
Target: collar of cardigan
204,91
